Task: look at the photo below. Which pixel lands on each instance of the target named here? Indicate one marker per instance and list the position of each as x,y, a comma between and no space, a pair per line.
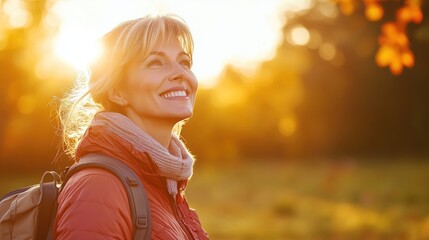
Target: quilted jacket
94,205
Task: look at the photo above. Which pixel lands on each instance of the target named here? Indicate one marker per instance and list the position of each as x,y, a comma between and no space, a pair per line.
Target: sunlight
241,33
75,49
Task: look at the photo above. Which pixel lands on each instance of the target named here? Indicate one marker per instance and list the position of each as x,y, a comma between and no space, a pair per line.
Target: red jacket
94,205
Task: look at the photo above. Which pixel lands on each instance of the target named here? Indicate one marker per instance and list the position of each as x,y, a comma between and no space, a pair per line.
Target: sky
238,32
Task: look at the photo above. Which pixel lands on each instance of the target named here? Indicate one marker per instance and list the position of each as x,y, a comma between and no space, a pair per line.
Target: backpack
29,213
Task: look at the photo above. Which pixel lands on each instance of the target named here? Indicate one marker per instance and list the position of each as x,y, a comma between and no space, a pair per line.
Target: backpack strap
137,198
48,192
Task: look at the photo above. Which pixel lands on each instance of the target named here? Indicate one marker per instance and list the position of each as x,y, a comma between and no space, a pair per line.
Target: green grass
313,201
297,200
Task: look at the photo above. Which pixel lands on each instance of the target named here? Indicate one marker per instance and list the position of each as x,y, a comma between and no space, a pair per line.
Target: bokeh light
327,51
18,16
299,35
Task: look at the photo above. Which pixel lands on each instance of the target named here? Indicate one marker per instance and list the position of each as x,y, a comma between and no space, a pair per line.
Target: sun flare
75,50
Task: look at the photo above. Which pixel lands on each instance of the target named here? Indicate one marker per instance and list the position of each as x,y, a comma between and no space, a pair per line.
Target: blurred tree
394,50
247,115
351,107
28,82
319,96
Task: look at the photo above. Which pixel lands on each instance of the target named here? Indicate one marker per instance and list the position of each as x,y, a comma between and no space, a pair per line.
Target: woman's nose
178,73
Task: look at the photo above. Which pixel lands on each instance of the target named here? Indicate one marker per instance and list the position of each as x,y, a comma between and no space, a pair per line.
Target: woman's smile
161,87
175,94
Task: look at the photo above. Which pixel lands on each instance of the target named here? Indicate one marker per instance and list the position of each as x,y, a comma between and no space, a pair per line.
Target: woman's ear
117,96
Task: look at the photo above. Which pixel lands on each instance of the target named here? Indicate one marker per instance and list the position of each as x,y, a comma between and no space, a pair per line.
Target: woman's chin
179,117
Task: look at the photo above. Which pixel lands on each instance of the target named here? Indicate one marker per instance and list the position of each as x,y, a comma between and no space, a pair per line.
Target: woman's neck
158,130
161,134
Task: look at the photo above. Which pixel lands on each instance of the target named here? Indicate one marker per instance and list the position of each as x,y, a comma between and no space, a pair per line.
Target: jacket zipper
173,202
179,220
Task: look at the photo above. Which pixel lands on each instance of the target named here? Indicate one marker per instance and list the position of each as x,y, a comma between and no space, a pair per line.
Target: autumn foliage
394,45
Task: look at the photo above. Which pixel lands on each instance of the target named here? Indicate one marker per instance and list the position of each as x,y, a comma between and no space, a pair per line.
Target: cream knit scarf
175,163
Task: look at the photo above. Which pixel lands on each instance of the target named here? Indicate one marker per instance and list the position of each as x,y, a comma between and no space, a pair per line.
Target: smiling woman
140,91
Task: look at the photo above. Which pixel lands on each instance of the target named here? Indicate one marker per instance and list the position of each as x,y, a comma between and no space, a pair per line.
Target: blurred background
312,119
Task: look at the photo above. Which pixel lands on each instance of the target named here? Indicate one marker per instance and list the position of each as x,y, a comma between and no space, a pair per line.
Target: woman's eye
186,63
154,63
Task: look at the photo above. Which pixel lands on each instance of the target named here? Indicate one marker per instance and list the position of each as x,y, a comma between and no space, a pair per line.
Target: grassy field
346,200
295,200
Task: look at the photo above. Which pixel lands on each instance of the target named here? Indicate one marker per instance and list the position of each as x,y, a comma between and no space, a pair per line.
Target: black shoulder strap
139,204
49,193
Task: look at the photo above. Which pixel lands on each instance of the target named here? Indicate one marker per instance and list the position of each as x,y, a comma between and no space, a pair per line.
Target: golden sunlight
76,50
242,33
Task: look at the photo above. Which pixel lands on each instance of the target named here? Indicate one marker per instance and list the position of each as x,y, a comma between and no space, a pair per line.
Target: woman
131,108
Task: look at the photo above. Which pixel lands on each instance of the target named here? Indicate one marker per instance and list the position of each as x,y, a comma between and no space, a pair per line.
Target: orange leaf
416,15
407,58
393,34
347,7
374,12
409,14
383,40
402,40
389,29
404,14
396,67
385,56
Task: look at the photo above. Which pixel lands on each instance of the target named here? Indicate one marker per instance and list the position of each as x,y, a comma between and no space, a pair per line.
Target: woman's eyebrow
183,53
162,54
158,53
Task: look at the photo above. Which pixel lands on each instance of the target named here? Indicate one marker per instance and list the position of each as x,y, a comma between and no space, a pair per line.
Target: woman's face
162,87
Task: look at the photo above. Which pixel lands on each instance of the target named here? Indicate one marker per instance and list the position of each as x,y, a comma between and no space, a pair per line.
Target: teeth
174,94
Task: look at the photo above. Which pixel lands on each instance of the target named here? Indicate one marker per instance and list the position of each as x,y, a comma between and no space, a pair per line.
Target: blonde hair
128,42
